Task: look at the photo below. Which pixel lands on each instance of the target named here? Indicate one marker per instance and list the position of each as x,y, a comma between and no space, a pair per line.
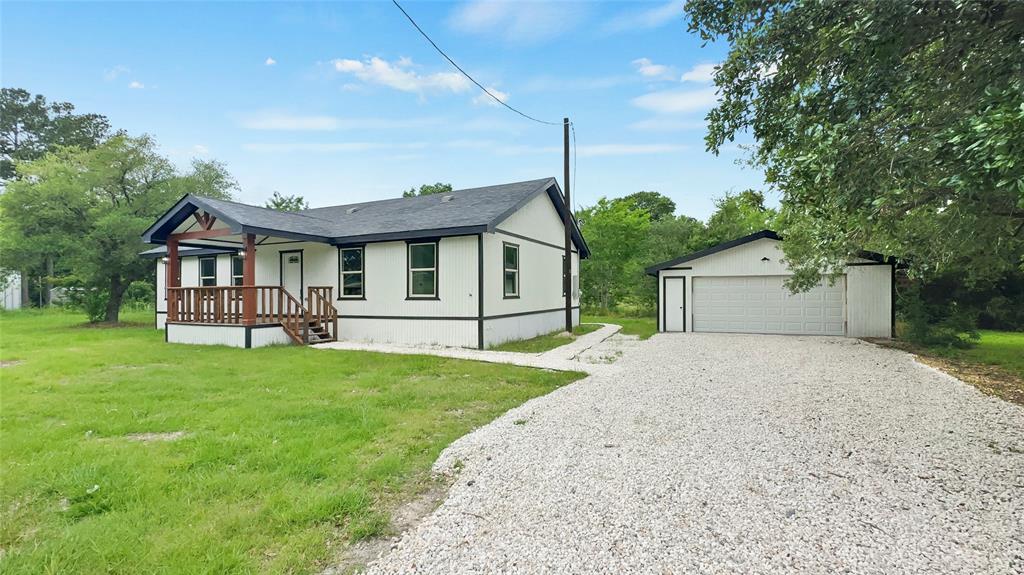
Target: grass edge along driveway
124,454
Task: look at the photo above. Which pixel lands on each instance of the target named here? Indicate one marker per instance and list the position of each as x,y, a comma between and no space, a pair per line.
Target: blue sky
345,102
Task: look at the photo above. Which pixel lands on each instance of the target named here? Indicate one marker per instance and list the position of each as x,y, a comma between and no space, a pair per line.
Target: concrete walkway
569,357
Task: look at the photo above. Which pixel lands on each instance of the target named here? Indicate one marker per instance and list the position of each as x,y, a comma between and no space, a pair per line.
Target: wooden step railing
320,303
225,305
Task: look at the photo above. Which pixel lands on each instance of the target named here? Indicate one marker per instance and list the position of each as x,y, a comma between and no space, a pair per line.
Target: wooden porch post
249,280
171,278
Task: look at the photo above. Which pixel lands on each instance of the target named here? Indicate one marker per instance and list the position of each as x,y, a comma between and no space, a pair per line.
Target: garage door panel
762,304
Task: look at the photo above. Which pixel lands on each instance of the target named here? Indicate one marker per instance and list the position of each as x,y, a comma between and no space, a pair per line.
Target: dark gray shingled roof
467,211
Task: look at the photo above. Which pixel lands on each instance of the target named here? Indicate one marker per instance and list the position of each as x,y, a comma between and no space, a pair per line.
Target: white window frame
410,270
361,272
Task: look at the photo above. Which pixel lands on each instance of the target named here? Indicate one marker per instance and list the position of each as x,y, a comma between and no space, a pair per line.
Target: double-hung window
237,270
350,262
511,269
208,271
422,278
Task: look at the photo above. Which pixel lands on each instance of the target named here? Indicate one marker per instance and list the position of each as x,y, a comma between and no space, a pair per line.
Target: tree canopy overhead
427,190
284,203
891,126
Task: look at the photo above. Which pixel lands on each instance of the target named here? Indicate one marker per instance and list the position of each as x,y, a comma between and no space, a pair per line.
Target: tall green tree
891,126
91,207
287,203
657,206
737,215
428,190
30,126
615,233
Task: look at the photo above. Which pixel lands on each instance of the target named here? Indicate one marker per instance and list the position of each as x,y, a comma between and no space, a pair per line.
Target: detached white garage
739,287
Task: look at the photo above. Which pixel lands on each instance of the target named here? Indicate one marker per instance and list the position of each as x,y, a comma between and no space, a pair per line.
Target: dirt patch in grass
990,379
353,558
10,363
150,437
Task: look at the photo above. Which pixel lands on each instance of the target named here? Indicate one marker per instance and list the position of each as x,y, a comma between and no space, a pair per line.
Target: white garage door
761,304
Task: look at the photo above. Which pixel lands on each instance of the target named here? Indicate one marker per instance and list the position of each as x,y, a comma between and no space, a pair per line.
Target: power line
466,74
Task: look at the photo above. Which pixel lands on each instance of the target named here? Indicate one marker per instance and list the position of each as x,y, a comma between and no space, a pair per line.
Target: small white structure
472,268
10,291
738,287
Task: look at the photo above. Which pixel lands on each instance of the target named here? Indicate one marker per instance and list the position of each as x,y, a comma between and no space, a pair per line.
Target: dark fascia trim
769,234
158,312
454,317
653,270
191,253
418,235
282,234
437,269
557,199
341,279
533,240
180,212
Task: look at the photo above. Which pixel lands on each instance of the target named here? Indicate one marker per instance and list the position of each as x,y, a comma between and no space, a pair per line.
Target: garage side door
761,304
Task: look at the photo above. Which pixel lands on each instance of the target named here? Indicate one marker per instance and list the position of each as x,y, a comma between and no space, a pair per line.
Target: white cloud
286,122
701,73
269,61
400,75
666,125
646,19
136,85
115,72
676,101
200,150
518,22
649,69
484,99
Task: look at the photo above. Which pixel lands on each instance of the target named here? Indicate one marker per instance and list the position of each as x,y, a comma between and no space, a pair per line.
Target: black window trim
199,265
437,269
361,272
504,270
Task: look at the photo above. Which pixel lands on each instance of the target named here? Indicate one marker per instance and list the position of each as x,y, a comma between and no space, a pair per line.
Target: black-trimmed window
237,270
563,275
510,269
422,278
208,271
350,266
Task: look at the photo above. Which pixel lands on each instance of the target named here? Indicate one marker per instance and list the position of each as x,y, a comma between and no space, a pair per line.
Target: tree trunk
49,281
114,303
26,298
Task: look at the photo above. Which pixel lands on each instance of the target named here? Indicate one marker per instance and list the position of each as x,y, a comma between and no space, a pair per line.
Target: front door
675,304
291,274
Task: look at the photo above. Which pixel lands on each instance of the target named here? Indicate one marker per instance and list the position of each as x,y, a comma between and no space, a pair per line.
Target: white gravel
713,453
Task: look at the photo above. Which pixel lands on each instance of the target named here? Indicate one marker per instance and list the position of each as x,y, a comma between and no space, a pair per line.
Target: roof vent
446,199
352,210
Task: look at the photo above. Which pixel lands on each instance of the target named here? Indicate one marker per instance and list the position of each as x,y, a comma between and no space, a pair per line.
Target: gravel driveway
714,453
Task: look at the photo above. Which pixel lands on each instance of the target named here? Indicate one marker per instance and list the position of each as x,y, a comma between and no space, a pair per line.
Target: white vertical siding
233,336
10,296
868,301
264,336
498,331
454,333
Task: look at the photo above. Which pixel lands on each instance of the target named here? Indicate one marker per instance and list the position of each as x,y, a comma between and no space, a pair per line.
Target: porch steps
318,333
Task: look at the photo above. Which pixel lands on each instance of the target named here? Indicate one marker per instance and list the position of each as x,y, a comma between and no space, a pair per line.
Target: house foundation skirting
230,335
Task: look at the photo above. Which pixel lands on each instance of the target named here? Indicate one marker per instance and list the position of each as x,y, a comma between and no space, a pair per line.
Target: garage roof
763,234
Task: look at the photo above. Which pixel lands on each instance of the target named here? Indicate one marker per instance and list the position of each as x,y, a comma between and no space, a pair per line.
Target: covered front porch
225,284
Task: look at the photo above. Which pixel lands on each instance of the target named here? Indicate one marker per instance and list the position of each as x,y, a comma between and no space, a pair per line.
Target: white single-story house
738,286
471,268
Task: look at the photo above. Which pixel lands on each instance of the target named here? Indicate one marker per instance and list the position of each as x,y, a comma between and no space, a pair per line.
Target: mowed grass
546,342
286,453
644,327
1001,348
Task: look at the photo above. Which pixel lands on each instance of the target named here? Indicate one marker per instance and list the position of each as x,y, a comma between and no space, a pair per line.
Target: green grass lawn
1001,348
644,327
286,452
546,342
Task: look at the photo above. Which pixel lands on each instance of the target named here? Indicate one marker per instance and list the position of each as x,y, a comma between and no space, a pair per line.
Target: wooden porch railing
320,301
225,305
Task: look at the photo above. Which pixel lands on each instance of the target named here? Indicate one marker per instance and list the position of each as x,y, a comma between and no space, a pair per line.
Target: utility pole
567,263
